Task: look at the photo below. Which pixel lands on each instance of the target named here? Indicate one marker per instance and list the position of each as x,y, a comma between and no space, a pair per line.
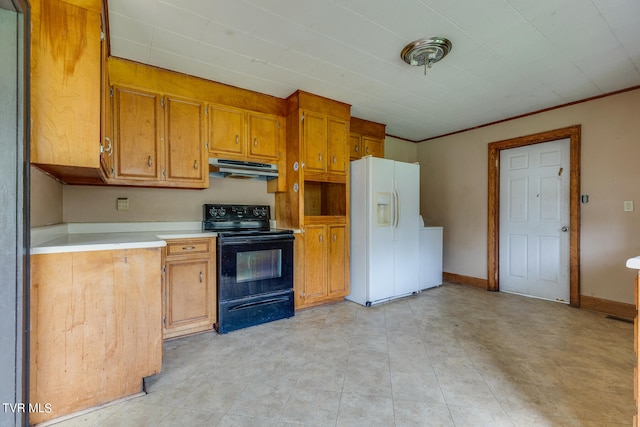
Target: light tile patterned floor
450,356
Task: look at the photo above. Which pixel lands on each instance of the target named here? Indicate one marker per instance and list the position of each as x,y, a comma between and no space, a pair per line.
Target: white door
534,220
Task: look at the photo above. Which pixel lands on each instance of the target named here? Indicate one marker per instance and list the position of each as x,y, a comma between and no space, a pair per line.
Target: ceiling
509,57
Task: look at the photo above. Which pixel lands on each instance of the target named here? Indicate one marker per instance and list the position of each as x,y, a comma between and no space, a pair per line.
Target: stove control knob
264,212
222,211
256,212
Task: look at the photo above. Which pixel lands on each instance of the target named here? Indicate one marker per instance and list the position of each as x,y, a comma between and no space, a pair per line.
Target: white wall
454,190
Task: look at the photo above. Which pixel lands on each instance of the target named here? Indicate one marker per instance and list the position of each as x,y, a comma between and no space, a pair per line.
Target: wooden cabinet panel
373,146
337,146
188,293
190,287
184,141
106,120
354,146
65,90
226,130
315,142
338,261
264,131
95,327
315,263
137,134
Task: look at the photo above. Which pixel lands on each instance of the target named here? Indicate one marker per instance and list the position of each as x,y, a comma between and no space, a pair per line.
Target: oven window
258,265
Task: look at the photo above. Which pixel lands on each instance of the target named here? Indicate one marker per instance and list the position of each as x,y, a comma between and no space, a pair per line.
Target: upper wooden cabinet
158,140
65,89
324,143
244,135
366,139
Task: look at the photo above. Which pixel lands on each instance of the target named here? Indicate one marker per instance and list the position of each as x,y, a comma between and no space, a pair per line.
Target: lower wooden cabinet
189,291
94,327
326,265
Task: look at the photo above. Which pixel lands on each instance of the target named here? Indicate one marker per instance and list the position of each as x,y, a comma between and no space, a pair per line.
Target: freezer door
380,244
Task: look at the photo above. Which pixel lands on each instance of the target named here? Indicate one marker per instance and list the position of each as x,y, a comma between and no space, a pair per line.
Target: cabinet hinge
111,92
162,102
164,173
164,269
278,124
112,172
302,117
164,320
206,109
206,144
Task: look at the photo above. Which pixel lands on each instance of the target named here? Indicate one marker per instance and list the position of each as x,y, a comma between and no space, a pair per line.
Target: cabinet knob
237,139
319,157
357,148
335,238
334,159
255,142
320,237
195,164
201,277
149,161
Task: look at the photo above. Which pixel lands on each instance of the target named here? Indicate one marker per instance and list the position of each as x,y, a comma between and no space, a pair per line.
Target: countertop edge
634,263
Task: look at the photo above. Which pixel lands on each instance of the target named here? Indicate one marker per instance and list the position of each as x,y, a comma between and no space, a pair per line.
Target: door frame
573,133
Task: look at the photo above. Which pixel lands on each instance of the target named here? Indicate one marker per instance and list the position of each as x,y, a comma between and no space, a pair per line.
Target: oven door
254,265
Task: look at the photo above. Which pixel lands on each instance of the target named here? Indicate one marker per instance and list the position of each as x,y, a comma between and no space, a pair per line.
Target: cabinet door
315,262
373,146
354,146
338,266
188,294
106,121
315,141
137,129
264,133
226,127
337,146
65,85
184,142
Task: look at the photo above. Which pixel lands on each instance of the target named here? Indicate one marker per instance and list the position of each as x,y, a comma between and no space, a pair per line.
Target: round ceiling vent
426,51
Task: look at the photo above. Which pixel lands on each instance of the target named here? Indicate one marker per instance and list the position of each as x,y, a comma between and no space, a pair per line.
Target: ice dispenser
383,209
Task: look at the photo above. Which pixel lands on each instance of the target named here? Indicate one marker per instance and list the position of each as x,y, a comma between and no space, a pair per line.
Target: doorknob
565,229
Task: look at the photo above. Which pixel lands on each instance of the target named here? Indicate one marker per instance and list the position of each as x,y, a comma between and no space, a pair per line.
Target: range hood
225,168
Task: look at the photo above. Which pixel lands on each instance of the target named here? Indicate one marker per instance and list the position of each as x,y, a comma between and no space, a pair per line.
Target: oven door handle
258,303
254,239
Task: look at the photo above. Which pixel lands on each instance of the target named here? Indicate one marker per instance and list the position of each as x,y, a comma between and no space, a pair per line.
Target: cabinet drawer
189,247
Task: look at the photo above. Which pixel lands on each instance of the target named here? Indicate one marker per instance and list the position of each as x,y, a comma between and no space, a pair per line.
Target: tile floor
450,356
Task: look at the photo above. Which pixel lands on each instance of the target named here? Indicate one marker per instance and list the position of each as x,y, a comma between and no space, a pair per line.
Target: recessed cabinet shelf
325,199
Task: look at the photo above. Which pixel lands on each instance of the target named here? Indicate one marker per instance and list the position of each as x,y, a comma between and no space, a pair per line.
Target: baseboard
614,308
459,279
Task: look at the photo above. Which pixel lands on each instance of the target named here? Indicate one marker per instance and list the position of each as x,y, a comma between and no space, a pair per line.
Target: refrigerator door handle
396,208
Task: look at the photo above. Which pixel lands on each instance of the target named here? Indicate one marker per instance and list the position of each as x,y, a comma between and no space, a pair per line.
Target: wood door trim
493,232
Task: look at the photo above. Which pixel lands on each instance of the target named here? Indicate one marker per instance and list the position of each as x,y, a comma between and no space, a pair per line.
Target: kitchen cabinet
65,89
189,292
326,263
235,133
366,139
325,143
158,140
316,199
95,327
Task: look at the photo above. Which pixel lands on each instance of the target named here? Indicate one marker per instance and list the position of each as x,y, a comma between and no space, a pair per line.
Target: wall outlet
628,205
122,204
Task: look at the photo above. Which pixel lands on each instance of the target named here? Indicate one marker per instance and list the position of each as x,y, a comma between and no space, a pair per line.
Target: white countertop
83,237
634,263
110,236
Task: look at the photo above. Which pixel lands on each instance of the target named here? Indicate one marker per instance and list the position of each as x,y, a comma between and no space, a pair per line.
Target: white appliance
385,204
430,253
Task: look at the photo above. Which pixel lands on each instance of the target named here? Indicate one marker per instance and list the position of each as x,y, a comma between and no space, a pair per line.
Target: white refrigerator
385,218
